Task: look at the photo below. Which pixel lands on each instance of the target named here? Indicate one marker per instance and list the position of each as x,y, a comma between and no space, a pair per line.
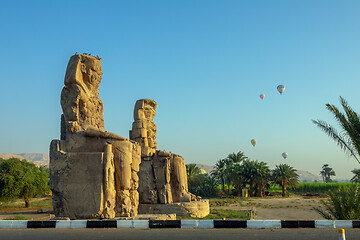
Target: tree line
22,179
239,172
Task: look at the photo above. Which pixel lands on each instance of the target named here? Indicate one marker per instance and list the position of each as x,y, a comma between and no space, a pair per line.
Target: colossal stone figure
163,184
93,173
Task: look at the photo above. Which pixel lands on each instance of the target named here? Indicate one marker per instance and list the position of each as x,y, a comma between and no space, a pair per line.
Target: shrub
344,204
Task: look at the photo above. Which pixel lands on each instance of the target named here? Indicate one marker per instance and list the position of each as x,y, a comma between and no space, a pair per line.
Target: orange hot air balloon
262,96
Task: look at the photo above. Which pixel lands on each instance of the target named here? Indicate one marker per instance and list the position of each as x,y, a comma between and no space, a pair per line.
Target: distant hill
207,168
10,155
39,159
305,176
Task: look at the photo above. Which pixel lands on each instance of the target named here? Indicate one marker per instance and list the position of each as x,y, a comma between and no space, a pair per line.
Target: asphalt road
175,234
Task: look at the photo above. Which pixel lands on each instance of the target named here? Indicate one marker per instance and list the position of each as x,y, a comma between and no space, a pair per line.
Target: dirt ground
277,208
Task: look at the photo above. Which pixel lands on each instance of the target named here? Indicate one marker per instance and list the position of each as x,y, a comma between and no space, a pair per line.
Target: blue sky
204,62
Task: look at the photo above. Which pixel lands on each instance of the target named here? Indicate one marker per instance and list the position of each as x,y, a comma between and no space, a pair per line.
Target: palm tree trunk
251,190
229,185
223,184
258,190
262,190
283,189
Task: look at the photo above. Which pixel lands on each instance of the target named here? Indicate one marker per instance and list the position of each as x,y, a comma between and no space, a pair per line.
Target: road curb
250,224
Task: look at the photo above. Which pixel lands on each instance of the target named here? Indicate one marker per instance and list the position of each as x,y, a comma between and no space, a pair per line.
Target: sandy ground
277,208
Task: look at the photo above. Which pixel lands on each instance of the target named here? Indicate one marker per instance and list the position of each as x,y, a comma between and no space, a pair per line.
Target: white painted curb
13,224
71,224
264,224
132,223
205,223
63,224
141,223
189,223
324,224
343,224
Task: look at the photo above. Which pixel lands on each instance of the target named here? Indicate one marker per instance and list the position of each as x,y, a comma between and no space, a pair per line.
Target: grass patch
228,214
12,205
219,202
45,203
35,204
319,188
17,217
223,213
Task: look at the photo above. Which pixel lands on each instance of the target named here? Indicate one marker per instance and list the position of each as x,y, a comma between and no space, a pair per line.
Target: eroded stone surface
196,209
93,173
162,175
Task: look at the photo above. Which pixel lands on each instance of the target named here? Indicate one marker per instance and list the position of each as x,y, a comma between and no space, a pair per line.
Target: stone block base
197,209
155,217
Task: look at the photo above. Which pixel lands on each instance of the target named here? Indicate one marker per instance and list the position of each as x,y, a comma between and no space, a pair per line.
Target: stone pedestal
82,183
196,209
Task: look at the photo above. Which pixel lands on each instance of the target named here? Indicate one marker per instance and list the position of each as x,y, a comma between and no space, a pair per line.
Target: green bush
203,185
344,204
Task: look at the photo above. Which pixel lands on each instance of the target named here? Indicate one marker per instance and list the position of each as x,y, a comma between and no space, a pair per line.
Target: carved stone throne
93,173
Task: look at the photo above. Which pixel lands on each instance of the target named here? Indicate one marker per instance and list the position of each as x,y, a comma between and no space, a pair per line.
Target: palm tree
211,184
349,137
192,170
219,172
232,158
261,178
249,172
356,178
237,157
256,174
193,173
284,175
326,173
238,177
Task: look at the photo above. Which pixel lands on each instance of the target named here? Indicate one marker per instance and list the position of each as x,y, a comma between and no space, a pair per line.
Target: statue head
80,101
84,70
145,109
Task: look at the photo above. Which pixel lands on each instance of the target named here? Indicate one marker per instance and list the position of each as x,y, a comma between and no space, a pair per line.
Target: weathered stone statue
93,173
163,184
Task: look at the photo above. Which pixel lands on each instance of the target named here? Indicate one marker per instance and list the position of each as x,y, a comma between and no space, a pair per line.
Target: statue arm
95,132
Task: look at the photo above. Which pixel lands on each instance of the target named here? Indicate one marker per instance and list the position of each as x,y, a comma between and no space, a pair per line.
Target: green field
319,188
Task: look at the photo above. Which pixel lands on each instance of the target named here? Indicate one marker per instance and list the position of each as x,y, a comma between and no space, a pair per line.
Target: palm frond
339,139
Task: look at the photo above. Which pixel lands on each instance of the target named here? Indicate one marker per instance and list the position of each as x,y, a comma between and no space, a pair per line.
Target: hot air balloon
253,142
284,155
262,96
281,88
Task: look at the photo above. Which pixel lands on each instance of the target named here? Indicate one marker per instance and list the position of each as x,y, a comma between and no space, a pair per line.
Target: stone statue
162,175
93,173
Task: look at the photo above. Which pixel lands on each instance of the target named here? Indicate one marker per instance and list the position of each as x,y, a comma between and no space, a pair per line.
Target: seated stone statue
93,173
162,175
